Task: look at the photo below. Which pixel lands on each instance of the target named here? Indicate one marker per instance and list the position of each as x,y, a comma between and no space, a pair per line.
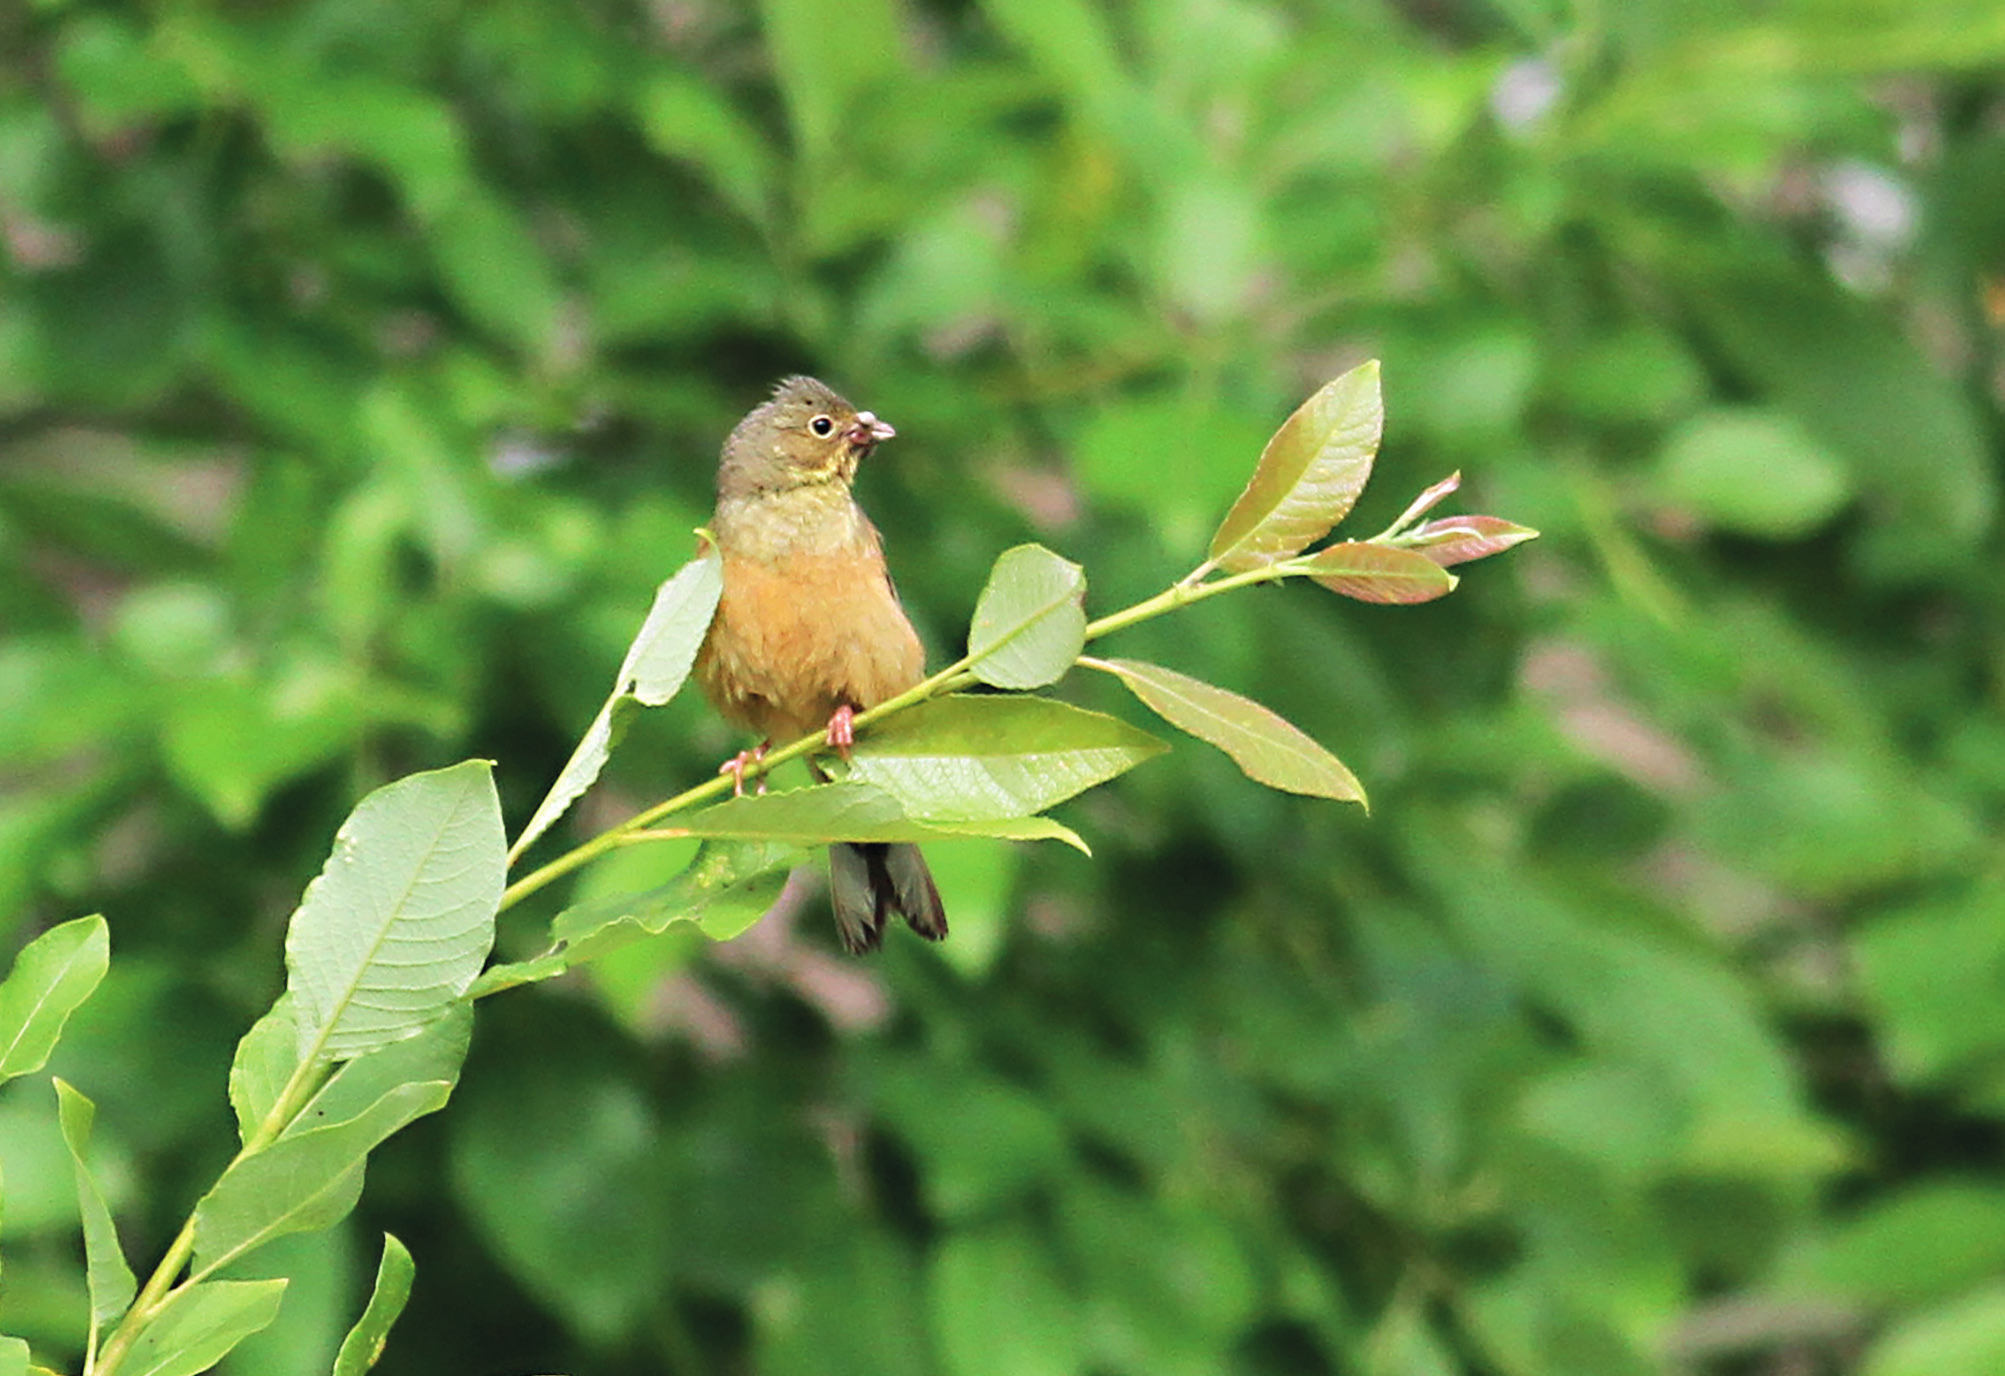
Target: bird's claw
842,730
739,763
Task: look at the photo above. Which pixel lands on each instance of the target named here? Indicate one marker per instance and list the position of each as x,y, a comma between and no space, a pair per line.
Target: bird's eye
822,426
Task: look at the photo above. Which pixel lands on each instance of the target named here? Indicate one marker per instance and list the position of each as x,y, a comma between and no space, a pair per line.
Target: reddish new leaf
1379,573
1459,539
1309,476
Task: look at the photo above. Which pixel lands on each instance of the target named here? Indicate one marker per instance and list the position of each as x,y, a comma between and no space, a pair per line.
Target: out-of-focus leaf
397,923
1851,378
992,1289
837,1325
1963,1334
588,1229
1309,476
983,1143
234,738
971,757
13,1357
656,664
53,974
1269,749
301,1182
1925,1243
111,1282
1030,622
826,54
1379,573
1753,473
200,1325
1930,972
364,1343
691,120
495,269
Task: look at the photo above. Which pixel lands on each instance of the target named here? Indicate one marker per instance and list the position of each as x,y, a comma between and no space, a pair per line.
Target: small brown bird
809,631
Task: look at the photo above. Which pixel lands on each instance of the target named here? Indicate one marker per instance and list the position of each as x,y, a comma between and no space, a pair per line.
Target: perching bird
809,630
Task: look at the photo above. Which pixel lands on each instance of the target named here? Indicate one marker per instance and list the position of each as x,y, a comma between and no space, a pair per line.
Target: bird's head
804,434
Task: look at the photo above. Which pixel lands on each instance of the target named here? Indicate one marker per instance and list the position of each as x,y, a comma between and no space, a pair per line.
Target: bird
809,629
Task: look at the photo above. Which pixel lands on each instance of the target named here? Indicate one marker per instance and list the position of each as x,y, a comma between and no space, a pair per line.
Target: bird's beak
868,430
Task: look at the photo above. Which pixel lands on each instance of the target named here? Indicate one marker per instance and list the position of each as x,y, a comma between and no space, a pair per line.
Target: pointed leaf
111,1284
301,1182
654,670
398,922
1460,539
1424,503
434,1056
851,811
53,974
1309,476
364,1343
728,886
970,757
200,1325
267,1056
1030,623
1265,746
1379,573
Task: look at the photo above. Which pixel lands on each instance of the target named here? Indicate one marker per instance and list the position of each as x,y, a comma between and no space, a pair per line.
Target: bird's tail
871,880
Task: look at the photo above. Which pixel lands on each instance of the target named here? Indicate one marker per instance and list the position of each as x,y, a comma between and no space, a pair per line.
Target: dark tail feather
869,881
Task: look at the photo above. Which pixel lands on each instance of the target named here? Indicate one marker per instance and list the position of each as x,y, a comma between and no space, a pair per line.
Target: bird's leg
842,730
742,761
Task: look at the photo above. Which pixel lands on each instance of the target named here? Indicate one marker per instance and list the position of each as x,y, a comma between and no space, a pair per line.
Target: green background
362,367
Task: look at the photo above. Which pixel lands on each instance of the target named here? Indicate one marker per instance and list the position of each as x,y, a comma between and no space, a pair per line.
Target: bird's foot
842,730
739,763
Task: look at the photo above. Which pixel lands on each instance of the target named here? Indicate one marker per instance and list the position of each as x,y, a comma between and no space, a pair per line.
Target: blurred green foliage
362,367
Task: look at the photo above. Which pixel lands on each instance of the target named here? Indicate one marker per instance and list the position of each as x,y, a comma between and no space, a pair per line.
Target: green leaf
1753,472
683,117
993,1289
489,262
970,757
51,977
1269,749
656,665
1309,476
814,46
1460,539
398,922
1966,1334
267,1056
303,1181
851,811
1030,623
200,1325
364,1343
1925,1241
434,1056
13,1357
727,887
1379,573
111,1284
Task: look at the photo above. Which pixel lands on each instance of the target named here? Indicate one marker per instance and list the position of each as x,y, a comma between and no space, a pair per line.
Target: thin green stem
160,1287
954,676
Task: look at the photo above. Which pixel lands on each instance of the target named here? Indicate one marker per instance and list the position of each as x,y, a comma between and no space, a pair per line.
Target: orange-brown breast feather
799,636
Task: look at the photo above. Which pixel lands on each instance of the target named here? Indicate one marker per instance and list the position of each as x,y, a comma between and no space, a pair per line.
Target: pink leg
842,729
739,763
